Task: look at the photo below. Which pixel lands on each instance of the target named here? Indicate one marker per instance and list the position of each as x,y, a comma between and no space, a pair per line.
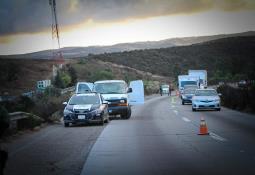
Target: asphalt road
53,150
161,138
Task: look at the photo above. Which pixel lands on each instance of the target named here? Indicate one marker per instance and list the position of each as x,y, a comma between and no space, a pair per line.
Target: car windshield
183,83
164,86
190,87
206,93
82,88
189,91
111,88
82,100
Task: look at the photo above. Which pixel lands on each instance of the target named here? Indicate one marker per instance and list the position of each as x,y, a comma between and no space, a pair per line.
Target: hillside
76,52
225,59
21,75
18,76
230,58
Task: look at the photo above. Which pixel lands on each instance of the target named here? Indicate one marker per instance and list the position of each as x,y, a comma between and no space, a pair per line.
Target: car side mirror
129,90
64,103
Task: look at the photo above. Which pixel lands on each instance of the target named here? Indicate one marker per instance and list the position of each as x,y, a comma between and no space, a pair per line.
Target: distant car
187,96
164,89
206,99
190,86
83,87
86,108
242,84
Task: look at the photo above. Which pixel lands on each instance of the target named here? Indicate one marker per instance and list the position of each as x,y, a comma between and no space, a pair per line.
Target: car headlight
122,101
98,112
68,111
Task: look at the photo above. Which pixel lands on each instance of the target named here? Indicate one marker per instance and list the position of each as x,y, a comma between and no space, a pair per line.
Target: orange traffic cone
203,128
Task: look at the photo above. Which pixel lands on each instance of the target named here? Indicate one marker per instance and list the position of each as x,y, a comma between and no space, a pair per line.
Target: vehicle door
136,97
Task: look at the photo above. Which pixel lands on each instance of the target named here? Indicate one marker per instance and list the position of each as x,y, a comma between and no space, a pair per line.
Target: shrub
4,120
236,98
62,79
30,122
47,105
102,75
52,91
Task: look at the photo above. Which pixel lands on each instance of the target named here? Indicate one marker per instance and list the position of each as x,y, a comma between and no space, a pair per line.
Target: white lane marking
176,112
217,137
173,106
185,119
173,100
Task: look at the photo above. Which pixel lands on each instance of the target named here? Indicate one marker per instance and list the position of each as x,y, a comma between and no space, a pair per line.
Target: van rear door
136,97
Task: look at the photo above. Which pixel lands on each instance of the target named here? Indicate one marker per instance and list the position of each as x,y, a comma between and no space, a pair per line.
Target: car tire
66,124
101,121
128,115
183,103
107,120
194,110
218,109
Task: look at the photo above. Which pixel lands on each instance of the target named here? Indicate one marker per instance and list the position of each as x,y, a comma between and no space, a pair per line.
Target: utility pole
56,52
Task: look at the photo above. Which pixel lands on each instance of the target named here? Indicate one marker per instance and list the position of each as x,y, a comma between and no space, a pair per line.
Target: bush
62,80
24,104
102,75
47,105
4,120
52,91
236,98
73,75
30,122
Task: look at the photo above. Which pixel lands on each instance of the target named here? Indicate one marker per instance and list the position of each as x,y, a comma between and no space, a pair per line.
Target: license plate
81,116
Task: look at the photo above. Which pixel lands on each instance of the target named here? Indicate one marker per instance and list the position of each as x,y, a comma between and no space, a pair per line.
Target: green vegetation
4,120
65,77
236,98
228,59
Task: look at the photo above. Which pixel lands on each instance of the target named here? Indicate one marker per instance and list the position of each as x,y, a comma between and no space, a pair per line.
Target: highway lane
53,150
161,138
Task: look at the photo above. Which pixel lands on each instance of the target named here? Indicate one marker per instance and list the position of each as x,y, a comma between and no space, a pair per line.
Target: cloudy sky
26,24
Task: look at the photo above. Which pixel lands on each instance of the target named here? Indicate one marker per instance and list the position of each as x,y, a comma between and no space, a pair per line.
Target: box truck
202,74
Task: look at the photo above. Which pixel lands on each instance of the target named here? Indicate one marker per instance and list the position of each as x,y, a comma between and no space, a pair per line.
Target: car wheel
193,109
66,124
101,121
107,120
218,109
183,103
128,115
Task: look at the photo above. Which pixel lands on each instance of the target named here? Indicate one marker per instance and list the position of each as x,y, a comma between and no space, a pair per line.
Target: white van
120,97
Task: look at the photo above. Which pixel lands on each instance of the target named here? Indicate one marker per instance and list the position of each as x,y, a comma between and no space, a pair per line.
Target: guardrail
70,89
15,116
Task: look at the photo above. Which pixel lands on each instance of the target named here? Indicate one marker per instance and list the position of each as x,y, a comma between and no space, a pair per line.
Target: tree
73,75
58,82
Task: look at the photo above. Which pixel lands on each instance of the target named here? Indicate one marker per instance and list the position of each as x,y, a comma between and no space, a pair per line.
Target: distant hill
77,52
227,58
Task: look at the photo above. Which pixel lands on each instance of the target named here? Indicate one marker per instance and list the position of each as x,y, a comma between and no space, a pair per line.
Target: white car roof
86,94
206,89
110,81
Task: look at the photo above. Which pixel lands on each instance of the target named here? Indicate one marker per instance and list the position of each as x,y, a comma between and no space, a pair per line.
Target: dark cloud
25,16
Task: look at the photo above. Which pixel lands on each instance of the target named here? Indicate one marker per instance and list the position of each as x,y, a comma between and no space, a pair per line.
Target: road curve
161,138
